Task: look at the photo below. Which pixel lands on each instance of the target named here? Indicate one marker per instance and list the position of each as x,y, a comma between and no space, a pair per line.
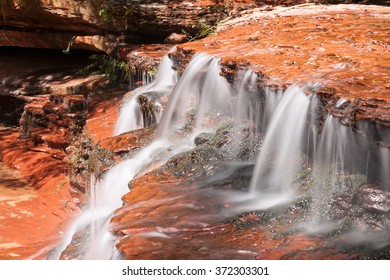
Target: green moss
87,157
105,15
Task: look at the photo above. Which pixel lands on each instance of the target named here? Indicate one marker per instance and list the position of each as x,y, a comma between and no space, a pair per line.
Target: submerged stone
373,198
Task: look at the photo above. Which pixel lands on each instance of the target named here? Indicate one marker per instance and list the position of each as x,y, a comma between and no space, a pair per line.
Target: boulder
176,38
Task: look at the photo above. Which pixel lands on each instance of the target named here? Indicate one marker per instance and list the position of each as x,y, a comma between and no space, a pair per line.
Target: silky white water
282,144
201,92
106,198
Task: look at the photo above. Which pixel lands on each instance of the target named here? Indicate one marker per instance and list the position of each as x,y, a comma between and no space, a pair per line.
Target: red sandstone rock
102,116
129,141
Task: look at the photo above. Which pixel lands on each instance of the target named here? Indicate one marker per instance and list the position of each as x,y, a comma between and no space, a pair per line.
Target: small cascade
328,166
140,78
282,144
281,152
255,104
200,96
144,105
345,159
248,105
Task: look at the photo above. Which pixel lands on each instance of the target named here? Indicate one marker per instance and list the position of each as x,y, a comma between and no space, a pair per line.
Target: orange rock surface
342,49
102,117
31,227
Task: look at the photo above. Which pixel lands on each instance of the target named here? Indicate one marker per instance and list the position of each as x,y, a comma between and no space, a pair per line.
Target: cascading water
250,103
130,116
106,199
343,162
287,121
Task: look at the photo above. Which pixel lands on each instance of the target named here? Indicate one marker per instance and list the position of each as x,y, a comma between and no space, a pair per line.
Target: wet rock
143,60
204,154
42,116
363,208
87,159
229,142
203,138
227,176
374,199
52,206
103,110
149,110
75,250
129,141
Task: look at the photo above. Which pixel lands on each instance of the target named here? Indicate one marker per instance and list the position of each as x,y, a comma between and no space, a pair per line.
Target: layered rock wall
48,23
53,23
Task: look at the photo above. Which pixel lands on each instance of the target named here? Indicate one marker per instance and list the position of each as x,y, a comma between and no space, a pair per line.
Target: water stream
298,158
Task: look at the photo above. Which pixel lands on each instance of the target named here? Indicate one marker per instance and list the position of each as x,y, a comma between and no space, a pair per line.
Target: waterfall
248,105
283,123
329,165
292,141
